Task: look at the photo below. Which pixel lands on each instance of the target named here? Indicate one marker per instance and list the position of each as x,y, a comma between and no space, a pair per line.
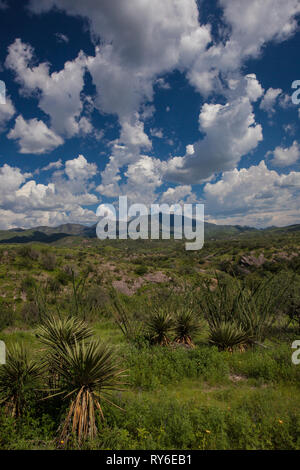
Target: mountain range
52,234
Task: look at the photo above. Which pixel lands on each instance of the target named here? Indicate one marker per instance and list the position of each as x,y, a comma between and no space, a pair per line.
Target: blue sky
174,101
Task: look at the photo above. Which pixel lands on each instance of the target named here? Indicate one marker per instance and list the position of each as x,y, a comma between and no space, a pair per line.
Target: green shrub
153,367
48,261
141,270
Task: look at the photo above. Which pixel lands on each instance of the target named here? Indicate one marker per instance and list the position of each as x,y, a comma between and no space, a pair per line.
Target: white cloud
158,133
176,195
7,111
254,89
286,156
10,179
249,27
34,136
26,203
255,196
58,93
143,177
257,22
269,100
79,168
52,165
138,46
231,132
190,149
138,42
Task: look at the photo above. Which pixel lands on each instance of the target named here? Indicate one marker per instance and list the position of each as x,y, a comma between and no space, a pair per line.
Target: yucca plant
186,325
55,331
88,374
69,330
159,327
19,377
228,335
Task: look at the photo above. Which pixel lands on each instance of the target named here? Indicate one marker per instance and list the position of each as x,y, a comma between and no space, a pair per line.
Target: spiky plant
159,327
130,328
228,335
253,310
55,330
19,377
259,307
88,374
186,325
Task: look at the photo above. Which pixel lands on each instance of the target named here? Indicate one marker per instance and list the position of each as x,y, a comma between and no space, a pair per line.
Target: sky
173,101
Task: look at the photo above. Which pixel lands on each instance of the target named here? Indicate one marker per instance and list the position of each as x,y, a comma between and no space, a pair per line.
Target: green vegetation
143,345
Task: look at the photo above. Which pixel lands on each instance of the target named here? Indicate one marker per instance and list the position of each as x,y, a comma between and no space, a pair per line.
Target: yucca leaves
227,335
69,330
18,377
160,326
88,374
252,311
83,371
186,325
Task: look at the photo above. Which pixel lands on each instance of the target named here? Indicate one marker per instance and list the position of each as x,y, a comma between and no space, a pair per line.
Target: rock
250,260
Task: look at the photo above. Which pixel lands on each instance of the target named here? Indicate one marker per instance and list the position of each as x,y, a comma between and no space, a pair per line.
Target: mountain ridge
48,234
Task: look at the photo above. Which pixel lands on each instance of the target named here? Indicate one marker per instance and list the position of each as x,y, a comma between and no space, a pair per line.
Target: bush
28,251
7,315
48,261
30,313
141,270
272,365
152,367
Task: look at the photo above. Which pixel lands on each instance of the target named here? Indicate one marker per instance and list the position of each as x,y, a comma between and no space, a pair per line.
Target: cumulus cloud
269,100
285,156
231,132
25,202
176,195
143,177
136,46
33,136
7,112
58,92
254,196
79,168
256,23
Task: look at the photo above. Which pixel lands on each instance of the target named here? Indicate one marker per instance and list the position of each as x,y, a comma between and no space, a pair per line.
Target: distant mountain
51,234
